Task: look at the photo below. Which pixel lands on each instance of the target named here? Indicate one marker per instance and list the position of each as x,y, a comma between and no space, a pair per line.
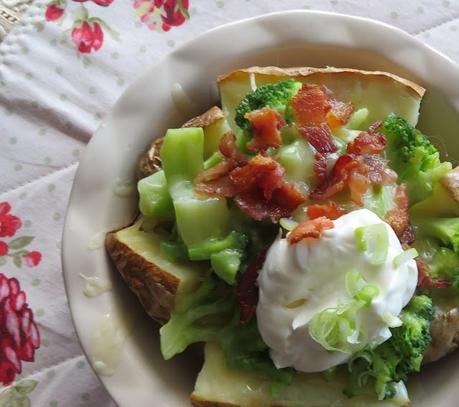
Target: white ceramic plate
146,110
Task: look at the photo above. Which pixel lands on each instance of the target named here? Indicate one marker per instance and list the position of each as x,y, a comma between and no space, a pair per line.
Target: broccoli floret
413,157
441,203
274,95
445,265
393,360
445,230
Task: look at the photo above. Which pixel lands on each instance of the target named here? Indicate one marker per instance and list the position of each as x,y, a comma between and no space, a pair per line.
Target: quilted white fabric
52,98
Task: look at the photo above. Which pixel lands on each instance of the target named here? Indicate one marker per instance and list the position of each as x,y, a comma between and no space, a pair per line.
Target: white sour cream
300,280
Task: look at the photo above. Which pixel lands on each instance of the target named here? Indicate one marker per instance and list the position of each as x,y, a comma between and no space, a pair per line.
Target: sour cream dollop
298,281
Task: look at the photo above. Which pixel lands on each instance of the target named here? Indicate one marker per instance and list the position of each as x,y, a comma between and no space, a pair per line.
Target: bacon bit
311,105
337,179
375,126
266,124
358,185
424,279
260,171
339,114
320,137
229,148
398,217
213,173
358,173
331,211
320,167
367,143
257,186
311,229
283,202
378,171
408,236
220,187
247,288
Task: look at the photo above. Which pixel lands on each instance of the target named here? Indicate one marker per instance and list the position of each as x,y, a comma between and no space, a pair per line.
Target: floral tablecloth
61,68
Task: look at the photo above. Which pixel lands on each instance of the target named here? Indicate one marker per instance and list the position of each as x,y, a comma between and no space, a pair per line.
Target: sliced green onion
391,320
288,224
367,293
337,329
360,241
358,289
407,255
353,282
374,240
213,160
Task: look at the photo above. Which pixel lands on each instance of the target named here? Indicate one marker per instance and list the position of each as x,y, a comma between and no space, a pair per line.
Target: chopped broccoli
441,203
274,95
413,157
446,230
445,265
392,361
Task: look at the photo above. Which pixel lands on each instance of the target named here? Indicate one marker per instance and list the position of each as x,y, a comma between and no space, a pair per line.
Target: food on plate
307,233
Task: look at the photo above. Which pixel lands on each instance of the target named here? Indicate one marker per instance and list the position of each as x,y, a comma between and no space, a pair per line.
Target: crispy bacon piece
283,202
358,173
311,229
337,179
408,236
311,105
375,126
247,288
378,171
367,143
398,217
215,181
331,211
424,279
266,124
220,187
339,114
358,184
320,137
260,171
258,187
320,167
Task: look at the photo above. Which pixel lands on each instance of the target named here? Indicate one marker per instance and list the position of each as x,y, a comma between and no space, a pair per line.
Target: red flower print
3,248
53,12
19,336
32,259
88,37
9,224
103,3
175,14
162,14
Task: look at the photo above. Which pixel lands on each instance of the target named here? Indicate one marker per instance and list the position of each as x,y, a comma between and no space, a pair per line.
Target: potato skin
150,162
451,183
415,89
444,329
196,402
154,287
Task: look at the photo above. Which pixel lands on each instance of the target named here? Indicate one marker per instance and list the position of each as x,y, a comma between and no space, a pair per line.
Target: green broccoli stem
154,199
204,250
173,251
446,230
226,264
198,218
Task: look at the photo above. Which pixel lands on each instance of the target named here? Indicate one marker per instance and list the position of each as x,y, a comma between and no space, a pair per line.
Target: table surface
58,78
